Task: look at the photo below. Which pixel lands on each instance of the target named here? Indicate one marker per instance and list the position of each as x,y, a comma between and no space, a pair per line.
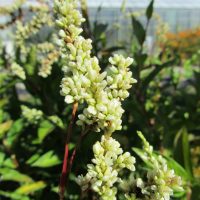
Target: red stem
72,159
83,133
63,177
64,173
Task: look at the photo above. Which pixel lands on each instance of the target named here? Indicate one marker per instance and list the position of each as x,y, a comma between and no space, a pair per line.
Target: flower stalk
65,166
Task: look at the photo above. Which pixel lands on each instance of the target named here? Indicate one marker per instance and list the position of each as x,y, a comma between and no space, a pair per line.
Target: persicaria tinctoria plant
102,94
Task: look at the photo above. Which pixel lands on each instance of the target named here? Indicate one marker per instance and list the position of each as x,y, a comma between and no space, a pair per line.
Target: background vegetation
164,104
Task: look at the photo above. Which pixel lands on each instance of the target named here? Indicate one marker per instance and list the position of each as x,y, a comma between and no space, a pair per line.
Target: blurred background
163,37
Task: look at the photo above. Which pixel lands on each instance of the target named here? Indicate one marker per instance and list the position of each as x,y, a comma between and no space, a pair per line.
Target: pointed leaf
14,132
2,157
13,195
30,188
149,11
142,154
182,150
44,129
4,127
186,152
138,30
179,170
48,159
57,121
33,159
31,61
13,175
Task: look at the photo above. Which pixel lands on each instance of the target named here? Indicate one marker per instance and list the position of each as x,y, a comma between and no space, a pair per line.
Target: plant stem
65,159
83,133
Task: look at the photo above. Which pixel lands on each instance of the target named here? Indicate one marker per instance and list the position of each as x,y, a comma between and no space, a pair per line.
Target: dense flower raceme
83,81
46,64
103,93
11,9
31,115
24,31
18,71
103,173
160,181
46,52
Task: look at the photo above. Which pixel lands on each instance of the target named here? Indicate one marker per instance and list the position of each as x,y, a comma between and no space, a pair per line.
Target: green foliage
46,160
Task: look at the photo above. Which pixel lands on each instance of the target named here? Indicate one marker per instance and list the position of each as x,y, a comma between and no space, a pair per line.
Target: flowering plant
47,74
103,92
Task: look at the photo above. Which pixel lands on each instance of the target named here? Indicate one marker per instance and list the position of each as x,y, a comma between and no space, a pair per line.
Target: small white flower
69,99
91,110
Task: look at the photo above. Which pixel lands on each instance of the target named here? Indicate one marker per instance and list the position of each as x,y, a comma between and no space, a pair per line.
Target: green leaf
31,187
31,61
123,6
149,11
179,194
196,192
179,170
44,129
2,157
4,127
8,85
57,121
182,150
48,159
13,195
14,132
1,115
33,158
140,59
6,162
138,30
3,102
71,146
99,29
9,163
155,72
186,152
13,175
143,156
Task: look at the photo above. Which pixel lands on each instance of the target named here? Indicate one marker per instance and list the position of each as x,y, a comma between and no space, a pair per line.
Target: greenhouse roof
144,3
133,3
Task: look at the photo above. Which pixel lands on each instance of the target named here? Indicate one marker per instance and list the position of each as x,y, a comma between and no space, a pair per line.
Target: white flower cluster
23,32
119,77
47,62
10,9
108,161
18,71
31,115
83,81
159,182
45,47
